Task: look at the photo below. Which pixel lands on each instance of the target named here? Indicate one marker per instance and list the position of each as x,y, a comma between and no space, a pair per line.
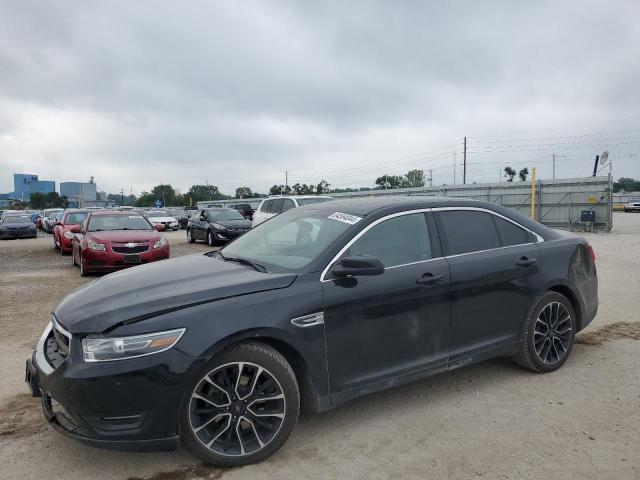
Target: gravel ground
491,420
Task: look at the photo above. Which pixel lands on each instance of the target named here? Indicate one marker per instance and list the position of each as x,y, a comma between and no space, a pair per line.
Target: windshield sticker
345,218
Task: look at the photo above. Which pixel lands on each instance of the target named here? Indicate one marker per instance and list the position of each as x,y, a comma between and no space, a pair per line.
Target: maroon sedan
108,241
63,229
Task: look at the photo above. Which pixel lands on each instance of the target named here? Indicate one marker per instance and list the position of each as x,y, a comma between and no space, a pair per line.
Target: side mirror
203,218
75,229
357,266
159,227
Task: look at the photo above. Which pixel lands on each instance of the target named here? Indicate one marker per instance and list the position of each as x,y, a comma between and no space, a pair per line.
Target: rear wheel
548,335
242,407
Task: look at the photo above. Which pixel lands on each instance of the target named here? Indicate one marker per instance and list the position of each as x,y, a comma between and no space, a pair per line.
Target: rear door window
287,204
510,234
266,205
276,205
397,241
469,231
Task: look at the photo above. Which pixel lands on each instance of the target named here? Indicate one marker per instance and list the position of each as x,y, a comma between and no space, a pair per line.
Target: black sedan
216,225
317,306
17,226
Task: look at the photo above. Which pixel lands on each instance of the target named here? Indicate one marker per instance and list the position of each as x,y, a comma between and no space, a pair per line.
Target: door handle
430,279
526,262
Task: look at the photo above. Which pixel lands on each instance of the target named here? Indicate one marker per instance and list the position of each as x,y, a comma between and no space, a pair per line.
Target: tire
190,238
544,349
83,272
256,436
73,257
55,244
211,241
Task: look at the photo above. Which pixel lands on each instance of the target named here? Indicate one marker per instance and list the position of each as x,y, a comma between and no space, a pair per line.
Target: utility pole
430,177
464,171
454,168
122,197
554,166
286,179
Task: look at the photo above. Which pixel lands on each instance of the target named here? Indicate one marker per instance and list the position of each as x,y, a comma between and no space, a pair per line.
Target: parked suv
216,225
270,207
244,208
633,205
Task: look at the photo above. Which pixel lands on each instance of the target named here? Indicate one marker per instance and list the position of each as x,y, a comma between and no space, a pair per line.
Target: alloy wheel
552,333
189,237
237,409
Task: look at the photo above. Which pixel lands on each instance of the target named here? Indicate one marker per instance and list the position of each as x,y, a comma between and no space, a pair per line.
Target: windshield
118,222
16,219
289,241
158,214
225,215
310,201
75,218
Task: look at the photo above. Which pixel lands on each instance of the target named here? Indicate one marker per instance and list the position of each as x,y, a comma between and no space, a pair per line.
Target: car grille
137,248
56,347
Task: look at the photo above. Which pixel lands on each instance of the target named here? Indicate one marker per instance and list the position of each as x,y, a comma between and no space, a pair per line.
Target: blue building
79,194
24,184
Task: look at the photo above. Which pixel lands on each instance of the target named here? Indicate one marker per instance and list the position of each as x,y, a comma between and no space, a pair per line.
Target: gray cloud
236,93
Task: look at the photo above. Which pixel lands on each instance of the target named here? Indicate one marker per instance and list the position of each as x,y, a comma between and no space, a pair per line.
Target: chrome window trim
365,230
425,210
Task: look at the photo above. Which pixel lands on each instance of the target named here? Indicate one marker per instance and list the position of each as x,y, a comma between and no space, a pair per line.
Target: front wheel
242,407
190,238
548,334
211,241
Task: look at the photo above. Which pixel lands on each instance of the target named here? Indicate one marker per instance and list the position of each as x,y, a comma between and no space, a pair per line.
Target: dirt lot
491,420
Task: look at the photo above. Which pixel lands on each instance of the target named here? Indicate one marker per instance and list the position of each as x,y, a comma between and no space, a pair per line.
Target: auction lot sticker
345,218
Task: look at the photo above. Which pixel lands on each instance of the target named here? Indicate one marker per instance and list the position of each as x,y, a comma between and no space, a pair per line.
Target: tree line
169,196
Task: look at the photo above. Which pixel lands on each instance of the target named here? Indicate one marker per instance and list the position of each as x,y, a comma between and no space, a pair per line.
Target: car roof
114,213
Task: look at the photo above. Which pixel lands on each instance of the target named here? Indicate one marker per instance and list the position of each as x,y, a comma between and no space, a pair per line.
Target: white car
162,217
632,205
272,206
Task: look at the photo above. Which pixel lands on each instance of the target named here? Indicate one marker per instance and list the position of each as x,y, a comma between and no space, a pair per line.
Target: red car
62,231
109,240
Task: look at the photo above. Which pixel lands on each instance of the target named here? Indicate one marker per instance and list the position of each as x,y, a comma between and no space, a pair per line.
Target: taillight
592,253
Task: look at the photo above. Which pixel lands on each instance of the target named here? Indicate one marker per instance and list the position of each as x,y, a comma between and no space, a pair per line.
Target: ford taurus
315,307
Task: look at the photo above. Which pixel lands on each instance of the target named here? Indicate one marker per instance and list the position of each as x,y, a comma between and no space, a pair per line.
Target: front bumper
16,234
97,261
227,235
129,405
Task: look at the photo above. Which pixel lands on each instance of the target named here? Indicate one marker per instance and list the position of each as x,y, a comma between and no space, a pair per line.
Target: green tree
509,174
38,201
244,192
414,179
323,187
523,174
280,190
198,193
386,182
626,184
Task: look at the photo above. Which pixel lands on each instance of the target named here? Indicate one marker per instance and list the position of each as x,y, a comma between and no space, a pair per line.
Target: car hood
234,223
123,236
148,290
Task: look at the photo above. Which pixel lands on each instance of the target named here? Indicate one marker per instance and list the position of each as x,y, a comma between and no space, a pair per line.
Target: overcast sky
237,93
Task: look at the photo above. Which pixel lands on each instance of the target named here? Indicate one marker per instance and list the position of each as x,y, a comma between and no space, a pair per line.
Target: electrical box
588,216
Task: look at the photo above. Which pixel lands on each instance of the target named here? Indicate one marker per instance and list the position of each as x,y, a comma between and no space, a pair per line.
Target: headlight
160,243
110,349
96,246
68,235
217,226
